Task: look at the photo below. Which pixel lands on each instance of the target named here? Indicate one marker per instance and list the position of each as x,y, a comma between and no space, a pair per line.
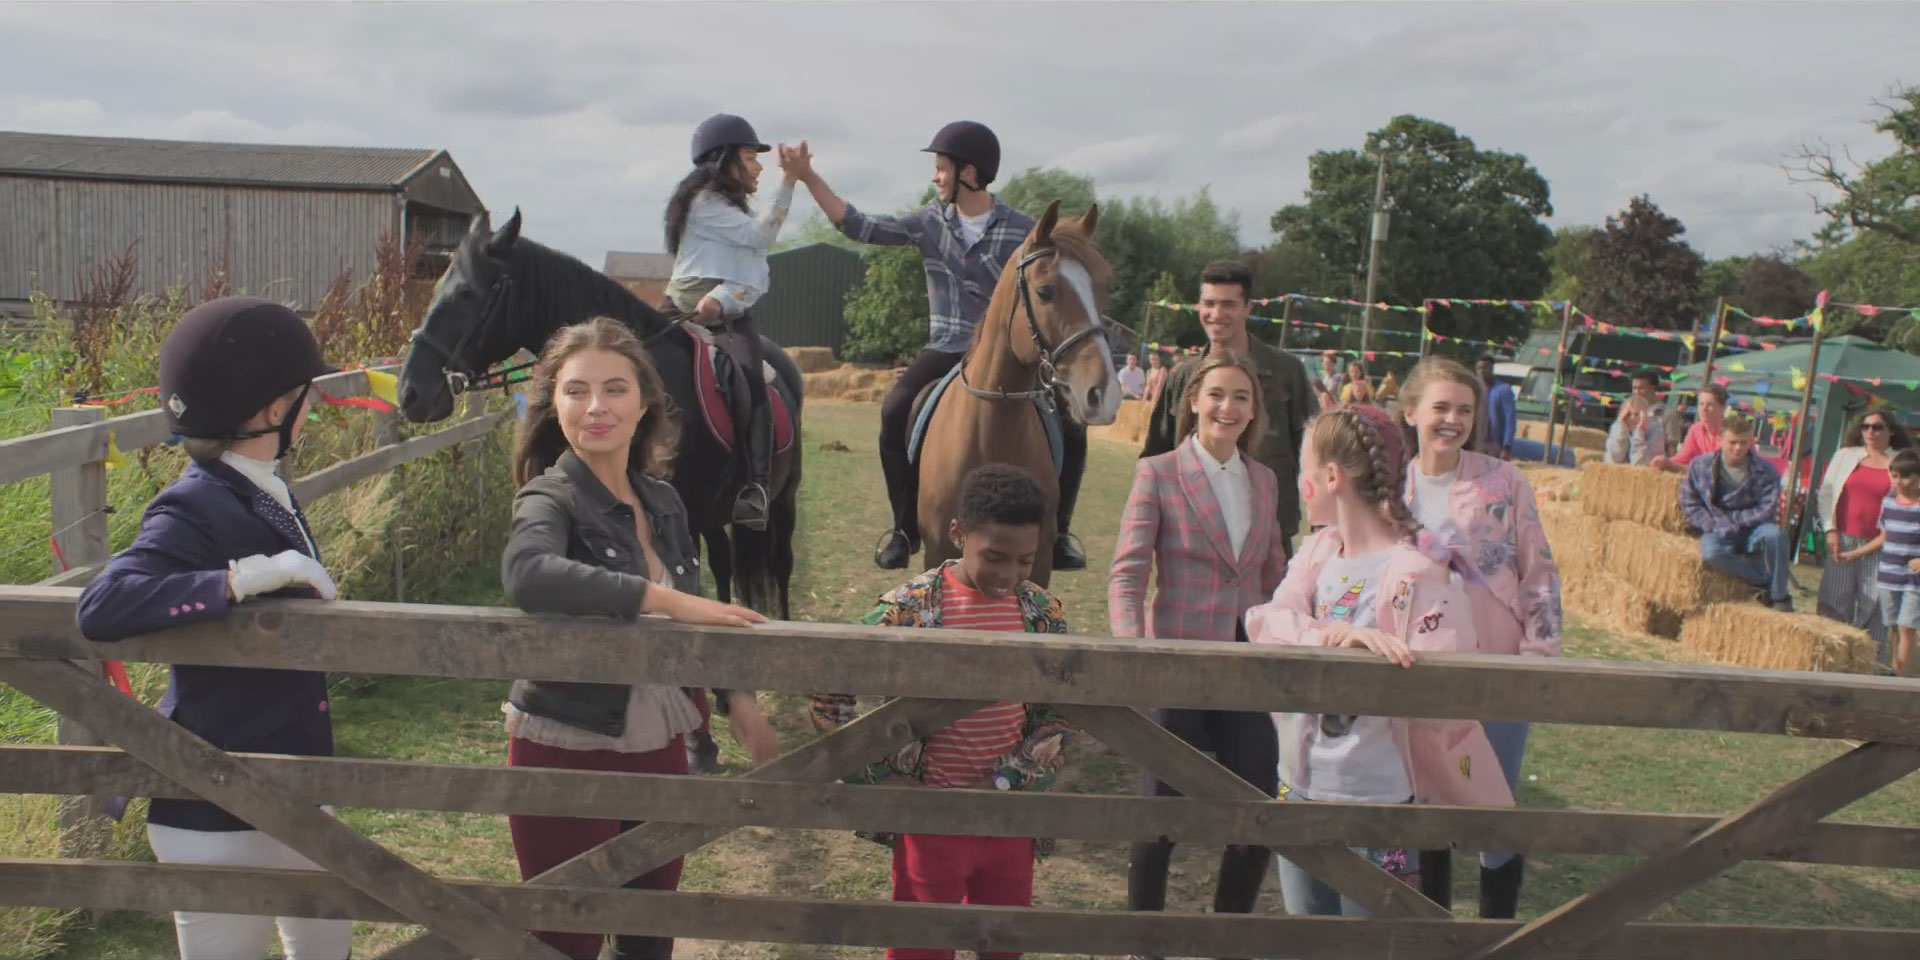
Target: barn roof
628,265
181,161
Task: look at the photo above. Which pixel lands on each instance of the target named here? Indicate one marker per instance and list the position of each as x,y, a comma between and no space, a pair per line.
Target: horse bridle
1045,382
460,377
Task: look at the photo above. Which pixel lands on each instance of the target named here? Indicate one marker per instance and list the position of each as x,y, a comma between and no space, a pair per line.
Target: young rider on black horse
965,236
720,269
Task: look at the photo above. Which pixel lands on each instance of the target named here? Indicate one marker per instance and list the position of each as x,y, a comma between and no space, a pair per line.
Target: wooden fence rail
940,676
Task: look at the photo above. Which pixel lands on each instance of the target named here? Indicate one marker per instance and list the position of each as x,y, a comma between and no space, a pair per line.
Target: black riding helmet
227,359
724,130
967,142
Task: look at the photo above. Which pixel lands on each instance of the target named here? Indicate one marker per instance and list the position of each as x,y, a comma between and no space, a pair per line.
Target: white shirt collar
262,474
1234,465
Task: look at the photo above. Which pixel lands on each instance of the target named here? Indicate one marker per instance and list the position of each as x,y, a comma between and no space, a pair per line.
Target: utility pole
1373,254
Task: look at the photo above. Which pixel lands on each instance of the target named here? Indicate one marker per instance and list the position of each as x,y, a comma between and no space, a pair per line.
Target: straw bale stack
1578,539
1129,427
1551,483
858,384
1750,635
1620,492
1667,568
1579,438
1610,602
813,359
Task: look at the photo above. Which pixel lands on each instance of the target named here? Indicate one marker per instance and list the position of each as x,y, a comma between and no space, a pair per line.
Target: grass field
458,721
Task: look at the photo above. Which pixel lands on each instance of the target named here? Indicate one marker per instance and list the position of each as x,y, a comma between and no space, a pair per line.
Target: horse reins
461,378
1044,380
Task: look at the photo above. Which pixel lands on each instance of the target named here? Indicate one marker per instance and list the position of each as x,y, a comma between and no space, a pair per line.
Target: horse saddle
722,388
930,397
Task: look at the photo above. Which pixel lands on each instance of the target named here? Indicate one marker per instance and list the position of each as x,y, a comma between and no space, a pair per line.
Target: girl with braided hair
1483,507
1370,579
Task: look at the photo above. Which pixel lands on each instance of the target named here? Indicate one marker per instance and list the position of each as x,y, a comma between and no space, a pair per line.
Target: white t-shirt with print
1433,505
1352,759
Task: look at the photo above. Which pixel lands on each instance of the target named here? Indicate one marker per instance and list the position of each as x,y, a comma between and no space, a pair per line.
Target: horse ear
1043,231
1090,220
504,237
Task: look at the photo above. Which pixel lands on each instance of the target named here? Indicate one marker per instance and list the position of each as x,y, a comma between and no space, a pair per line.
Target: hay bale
813,359
1640,494
1607,601
825,384
1130,427
1578,539
1750,635
1667,567
1551,483
1579,438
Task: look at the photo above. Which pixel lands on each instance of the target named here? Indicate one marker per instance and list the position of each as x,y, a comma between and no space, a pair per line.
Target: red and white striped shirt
963,754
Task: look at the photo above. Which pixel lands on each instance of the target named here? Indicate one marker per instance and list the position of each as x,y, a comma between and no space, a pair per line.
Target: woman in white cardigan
1849,505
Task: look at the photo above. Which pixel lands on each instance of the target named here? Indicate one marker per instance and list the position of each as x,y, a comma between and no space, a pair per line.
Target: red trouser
542,843
940,868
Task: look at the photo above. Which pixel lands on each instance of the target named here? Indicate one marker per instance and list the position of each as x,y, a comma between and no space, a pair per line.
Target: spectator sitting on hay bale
1636,437
1731,497
1703,437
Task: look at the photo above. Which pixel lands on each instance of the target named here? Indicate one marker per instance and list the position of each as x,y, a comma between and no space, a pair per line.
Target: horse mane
564,285
1073,243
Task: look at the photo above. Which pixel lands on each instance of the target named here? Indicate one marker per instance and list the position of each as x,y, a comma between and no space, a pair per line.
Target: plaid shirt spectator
960,279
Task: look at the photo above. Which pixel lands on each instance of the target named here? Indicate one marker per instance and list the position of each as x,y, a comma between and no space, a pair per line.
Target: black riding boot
703,755
1147,875
1067,554
901,477
628,947
1436,876
1500,889
1237,889
750,508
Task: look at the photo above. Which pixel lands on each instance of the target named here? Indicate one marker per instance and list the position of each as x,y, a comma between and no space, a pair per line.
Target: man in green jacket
1226,300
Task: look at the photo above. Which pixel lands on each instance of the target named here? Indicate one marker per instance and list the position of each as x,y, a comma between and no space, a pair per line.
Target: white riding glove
258,574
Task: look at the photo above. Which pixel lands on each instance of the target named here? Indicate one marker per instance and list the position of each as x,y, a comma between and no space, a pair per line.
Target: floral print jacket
1517,609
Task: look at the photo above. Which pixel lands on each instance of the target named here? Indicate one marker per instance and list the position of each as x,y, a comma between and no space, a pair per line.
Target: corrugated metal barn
285,220
806,305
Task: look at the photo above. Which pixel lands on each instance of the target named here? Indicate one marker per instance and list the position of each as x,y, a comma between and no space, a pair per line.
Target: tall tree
1771,286
1870,268
1881,197
1568,259
1641,273
1466,222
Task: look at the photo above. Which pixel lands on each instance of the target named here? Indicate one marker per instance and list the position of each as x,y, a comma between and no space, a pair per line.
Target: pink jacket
1172,518
1517,609
1424,602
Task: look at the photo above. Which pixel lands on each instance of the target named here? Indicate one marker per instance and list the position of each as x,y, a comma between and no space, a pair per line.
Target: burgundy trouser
542,843
941,868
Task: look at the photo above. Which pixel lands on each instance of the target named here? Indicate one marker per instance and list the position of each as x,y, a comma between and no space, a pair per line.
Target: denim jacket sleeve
540,577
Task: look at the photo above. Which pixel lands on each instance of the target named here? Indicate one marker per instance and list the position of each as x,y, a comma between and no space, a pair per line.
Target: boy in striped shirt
1006,746
1899,544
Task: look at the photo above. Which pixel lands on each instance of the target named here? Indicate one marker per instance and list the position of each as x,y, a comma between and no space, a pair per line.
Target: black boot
1067,554
1147,875
1500,889
750,508
1237,889
628,947
899,544
703,755
1436,876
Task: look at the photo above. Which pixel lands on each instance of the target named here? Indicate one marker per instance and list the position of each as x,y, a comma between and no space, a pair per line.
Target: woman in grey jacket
597,532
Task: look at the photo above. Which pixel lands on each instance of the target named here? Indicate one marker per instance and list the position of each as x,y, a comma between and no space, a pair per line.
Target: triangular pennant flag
1763,387
1799,378
1737,367
114,459
384,385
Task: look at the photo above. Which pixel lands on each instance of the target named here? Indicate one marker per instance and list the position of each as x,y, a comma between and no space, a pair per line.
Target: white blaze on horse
1043,341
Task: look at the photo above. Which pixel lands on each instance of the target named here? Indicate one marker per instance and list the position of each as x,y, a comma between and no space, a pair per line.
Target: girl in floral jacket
1371,579
1484,508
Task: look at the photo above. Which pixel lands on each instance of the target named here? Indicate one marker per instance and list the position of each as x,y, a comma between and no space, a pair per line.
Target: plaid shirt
960,278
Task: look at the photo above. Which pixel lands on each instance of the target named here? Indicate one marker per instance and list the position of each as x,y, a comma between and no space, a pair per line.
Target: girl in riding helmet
719,252
236,376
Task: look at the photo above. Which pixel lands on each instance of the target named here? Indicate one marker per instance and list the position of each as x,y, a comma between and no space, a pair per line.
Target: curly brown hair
539,443
1188,421
1897,436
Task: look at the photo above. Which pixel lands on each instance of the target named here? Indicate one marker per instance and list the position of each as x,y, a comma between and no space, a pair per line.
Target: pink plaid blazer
1173,521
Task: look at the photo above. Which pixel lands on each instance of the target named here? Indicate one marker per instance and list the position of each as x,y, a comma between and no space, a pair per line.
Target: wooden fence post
80,534
387,433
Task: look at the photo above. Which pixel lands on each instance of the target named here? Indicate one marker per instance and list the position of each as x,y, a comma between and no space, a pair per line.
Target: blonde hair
1434,370
1364,443
1188,421
540,442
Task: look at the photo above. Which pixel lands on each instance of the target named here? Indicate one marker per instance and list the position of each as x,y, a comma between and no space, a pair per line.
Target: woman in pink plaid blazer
1206,514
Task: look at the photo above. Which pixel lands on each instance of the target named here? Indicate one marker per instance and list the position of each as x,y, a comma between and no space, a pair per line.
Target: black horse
502,293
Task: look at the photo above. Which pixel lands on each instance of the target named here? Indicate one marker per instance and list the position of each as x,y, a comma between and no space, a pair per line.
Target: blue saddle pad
1049,418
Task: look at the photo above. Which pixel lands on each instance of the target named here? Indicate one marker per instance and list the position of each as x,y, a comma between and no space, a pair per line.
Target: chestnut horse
1043,337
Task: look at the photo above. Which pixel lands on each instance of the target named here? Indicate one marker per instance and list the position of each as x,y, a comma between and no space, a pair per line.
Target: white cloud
227,125
1126,160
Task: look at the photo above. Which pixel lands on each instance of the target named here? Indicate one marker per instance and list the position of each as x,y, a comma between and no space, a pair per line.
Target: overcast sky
580,113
